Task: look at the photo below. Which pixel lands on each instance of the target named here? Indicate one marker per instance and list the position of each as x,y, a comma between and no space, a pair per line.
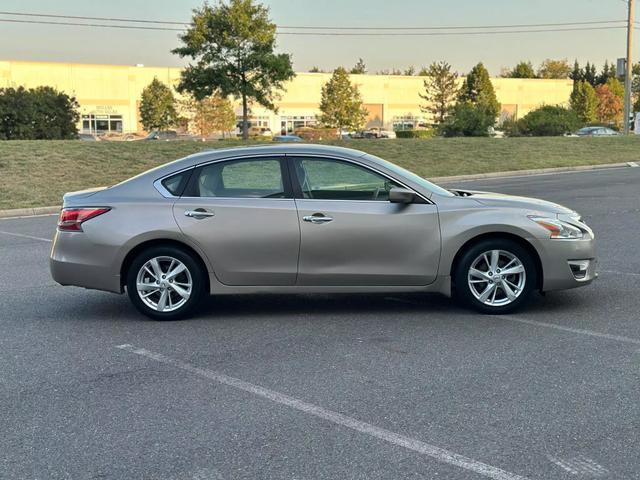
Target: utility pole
629,68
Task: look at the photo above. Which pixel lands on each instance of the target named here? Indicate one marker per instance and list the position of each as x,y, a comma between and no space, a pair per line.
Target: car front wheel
165,283
495,276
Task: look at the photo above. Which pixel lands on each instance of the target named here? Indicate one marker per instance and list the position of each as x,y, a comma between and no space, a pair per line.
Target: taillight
71,219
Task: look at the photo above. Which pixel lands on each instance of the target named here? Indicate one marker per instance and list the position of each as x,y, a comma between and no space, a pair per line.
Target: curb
32,212
29,212
525,173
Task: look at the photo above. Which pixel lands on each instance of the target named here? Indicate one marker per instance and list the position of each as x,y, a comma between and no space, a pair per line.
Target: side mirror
401,195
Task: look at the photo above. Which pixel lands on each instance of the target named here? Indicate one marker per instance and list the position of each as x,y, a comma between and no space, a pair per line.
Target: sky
111,46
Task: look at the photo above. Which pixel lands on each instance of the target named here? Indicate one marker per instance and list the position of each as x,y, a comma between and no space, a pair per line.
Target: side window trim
297,188
191,190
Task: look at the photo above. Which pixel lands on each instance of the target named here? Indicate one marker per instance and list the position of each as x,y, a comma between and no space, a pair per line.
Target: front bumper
558,257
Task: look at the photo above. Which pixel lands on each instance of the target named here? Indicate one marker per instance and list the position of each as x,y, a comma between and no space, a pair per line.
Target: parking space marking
437,453
579,465
22,235
617,272
591,333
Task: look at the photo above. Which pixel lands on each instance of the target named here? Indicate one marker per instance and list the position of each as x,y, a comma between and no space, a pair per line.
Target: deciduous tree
209,115
341,104
232,46
440,90
359,68
584,102
610,106
550,68
522,70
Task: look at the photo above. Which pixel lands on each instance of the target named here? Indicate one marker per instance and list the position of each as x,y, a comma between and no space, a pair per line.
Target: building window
101,124
290,124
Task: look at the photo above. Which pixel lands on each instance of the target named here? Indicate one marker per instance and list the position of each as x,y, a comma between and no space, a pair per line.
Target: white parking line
22,235
579,465
388,436
591,333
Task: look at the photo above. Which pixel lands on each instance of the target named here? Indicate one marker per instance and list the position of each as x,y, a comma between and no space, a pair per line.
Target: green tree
41,113
590,74
468,120
616,87
550,68
608,72
157,107
232,46
410,71
315,70
522,70
477,89
341,104
209,115
577,74
584,102
440,90
359,68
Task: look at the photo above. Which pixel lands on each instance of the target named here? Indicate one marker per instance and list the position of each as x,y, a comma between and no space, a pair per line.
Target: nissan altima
295,218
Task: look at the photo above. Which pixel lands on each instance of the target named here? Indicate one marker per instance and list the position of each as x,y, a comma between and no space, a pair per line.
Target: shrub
549,121
468,120
40,113
317,134
415,133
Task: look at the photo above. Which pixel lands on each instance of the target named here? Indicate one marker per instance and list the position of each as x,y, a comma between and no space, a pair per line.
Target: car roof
273,149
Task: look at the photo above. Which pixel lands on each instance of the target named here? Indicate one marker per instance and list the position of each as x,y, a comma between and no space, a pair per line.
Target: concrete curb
525,173
31,212
28,212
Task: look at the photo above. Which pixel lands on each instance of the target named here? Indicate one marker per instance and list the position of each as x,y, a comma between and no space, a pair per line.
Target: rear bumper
557,257
76,261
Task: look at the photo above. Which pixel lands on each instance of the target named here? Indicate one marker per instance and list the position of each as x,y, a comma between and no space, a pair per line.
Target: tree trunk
245,118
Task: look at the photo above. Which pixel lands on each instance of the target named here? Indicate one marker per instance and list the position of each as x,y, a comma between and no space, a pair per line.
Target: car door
242,214
352,235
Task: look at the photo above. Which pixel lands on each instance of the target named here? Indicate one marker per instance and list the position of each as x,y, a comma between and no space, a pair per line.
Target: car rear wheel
165,283
495,276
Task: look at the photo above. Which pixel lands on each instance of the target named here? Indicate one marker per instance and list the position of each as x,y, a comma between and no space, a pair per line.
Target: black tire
463,290
198,282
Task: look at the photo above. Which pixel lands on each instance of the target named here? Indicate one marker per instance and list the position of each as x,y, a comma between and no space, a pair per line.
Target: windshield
403,172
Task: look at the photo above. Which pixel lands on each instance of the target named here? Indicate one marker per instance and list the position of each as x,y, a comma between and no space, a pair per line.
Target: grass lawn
37,173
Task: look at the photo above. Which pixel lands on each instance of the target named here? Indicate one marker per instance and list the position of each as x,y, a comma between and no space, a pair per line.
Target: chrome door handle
317,219
198,214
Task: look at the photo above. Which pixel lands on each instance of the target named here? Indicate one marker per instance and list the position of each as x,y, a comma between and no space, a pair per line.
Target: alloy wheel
497,278
164,284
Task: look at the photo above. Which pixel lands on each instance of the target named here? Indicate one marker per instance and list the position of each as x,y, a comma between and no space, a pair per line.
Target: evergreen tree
341,104
359,68
477,89
157,107
577,74
590,74
441,88
584,102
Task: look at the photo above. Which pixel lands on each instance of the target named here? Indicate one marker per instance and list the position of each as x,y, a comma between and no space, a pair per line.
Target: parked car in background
312,219
377,132
596,132
164,135
287,139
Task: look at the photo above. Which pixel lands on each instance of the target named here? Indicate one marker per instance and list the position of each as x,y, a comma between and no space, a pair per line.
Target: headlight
558,228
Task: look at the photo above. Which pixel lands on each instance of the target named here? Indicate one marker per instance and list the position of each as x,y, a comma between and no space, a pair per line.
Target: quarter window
241,179
326,179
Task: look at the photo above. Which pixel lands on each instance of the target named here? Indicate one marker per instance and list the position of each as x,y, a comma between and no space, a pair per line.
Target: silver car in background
306,218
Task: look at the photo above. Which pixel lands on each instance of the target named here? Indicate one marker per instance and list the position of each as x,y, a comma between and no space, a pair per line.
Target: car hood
490,199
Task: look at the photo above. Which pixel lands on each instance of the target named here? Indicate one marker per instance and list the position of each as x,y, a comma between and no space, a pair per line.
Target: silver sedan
306,218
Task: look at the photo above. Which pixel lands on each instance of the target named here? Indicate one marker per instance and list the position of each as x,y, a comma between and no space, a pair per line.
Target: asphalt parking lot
329,387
